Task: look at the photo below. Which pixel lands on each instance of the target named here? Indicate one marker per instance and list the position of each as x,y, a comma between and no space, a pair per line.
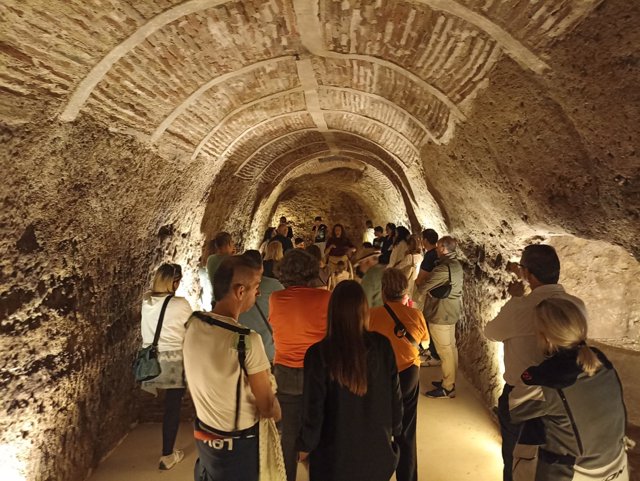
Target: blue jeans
228,459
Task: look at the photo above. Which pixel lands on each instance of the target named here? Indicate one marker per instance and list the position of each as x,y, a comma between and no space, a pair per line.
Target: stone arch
86,86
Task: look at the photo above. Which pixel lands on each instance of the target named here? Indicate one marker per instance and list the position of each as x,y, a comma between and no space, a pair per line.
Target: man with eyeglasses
514,327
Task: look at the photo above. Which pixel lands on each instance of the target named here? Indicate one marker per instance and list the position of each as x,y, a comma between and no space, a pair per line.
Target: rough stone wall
606,277
87,213
86,216
322,195
538,159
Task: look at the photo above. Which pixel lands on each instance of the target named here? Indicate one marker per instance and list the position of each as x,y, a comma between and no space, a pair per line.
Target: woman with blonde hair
352,407
409,265
575,416
272,257
158,303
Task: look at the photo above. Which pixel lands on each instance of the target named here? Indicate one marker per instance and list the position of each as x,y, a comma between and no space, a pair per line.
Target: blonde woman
410,263
576,416
273,255
165,283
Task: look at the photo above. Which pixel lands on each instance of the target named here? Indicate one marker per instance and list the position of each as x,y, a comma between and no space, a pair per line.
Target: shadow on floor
457,441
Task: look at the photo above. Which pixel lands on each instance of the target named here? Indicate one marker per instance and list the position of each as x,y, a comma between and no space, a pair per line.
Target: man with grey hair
442,310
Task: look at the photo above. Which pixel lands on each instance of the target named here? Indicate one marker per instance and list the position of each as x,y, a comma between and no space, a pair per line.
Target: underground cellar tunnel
134,131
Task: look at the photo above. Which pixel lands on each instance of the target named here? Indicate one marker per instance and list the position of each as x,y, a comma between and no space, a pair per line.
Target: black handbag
443,291
146,366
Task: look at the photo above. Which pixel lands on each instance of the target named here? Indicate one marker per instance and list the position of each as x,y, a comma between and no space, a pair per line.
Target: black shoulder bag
146,365
443,291
242,332
401,332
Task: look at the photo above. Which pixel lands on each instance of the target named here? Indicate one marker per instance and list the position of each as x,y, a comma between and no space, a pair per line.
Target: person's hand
513,268
516,289
303,457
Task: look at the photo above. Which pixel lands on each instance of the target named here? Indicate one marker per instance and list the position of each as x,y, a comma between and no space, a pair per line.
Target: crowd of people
327,336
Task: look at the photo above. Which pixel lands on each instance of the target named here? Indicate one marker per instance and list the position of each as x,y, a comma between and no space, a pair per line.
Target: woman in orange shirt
298,316
395,296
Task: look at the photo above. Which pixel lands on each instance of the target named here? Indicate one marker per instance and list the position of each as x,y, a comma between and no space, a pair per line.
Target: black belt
242,433
555,458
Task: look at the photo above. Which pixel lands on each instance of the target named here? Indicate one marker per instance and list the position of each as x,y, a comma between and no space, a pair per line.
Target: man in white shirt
228,372
369,233
514,326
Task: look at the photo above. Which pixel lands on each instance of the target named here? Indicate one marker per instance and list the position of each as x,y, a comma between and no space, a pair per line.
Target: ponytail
563,325
588,360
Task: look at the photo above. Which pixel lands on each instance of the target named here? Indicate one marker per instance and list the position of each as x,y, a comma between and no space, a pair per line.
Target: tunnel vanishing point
133,131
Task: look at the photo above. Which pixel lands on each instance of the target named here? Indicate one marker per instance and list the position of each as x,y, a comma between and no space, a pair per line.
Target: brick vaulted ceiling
258,85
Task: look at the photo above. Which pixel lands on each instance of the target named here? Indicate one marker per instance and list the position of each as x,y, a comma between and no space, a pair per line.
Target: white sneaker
169,461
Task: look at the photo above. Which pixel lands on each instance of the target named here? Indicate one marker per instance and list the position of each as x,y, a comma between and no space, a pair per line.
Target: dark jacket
580,419
342,245
350,437
285,241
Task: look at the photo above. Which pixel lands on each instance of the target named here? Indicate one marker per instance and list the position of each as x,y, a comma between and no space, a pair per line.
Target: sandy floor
457,441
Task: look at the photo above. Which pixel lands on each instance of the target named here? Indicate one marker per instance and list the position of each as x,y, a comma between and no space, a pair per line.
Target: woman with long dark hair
352,406
387,243
339,248
400,247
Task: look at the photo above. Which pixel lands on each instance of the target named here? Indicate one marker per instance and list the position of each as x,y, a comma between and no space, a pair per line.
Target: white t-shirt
369,235
212,369
514,326
173,325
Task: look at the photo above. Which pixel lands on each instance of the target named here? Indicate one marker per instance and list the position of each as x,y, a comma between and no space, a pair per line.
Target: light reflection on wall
12,466
497,354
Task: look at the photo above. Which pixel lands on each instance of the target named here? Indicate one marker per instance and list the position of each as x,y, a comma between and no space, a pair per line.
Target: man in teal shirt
257,318
224,247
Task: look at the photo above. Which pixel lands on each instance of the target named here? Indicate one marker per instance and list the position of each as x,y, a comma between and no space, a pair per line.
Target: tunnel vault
133,131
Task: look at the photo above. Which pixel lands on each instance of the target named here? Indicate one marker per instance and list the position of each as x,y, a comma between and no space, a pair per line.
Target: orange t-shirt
380,321
298,316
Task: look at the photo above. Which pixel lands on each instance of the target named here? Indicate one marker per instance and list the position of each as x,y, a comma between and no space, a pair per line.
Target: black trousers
407,469
171,418
290,382
509,432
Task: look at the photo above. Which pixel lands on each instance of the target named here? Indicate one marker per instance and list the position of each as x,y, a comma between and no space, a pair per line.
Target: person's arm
313,402
425,341
527,402
184,310
422,277
503,327
331,244
439,277
266,401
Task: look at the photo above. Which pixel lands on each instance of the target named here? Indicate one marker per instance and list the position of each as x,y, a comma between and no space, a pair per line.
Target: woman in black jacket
575,412
352,407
